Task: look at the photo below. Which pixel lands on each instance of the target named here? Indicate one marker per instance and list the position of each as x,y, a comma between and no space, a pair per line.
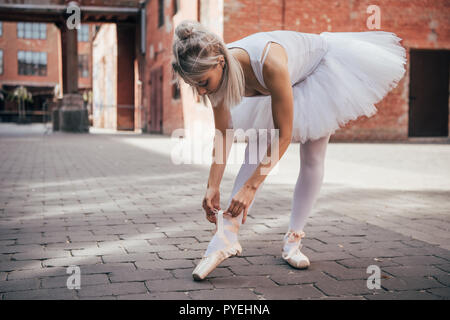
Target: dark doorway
428,93
155,122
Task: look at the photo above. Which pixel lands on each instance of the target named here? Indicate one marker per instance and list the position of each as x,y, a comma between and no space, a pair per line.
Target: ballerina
304,85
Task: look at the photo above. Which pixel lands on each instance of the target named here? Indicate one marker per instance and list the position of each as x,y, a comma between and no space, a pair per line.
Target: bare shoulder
275,67
276,57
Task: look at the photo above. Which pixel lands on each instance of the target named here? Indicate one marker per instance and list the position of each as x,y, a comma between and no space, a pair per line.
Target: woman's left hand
241,202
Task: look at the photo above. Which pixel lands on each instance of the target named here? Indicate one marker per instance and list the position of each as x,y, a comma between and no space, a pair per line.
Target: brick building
418,107
31,57
137,91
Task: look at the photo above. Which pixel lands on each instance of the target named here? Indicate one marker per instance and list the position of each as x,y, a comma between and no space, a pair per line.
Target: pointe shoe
210,262
294,257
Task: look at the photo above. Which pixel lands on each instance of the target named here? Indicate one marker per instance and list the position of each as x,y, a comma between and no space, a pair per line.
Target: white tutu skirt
358,70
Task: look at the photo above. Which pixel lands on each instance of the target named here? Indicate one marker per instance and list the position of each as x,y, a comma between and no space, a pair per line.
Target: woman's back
304,51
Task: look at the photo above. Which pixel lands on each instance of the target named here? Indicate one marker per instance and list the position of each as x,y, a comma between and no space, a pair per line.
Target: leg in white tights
245,172
309,182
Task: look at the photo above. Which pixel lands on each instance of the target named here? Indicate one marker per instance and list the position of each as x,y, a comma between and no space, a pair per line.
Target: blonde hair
195,51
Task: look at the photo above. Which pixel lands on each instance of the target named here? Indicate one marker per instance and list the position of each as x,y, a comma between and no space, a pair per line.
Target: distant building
30,56
127,59
417,107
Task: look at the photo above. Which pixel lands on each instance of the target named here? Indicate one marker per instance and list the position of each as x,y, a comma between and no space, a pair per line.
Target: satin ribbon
219,221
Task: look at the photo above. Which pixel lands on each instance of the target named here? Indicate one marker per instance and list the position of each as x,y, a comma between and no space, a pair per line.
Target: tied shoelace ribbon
293,236
219,221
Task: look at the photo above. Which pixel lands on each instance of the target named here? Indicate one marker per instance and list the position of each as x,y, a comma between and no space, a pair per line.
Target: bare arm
276,77
222,145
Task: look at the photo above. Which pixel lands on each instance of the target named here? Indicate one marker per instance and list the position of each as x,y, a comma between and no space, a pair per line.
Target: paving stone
19,265
419,260
117,232
444,267
223,294
192,254
107,268
159,296
216,273
343,287
144,257
414,271
376,253
402,295
85,280
40,255
242,282
365,262
185,284
410,283
71,245
164,264
291,292
443,293
326,256
337,271
41,294
115,289
139,275
443,278
19,285
294,277
340,298
18,248
77,261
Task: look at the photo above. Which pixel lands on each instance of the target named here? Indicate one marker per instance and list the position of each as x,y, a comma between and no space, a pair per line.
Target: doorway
156,107
428,93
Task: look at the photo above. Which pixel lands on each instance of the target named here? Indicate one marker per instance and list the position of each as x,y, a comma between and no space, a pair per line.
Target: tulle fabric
358,70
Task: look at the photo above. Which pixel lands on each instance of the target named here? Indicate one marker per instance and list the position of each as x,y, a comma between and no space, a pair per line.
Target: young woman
305,85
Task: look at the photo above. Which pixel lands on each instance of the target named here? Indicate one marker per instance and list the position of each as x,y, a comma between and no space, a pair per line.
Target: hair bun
185,30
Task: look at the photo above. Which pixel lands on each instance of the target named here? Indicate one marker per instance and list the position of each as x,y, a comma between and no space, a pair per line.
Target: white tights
309,182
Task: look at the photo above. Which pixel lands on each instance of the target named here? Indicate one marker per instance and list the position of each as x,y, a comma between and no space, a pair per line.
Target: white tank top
304,51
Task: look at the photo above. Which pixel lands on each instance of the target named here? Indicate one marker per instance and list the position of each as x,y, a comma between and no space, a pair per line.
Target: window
32,63
83,33
160,13
31,30
1,28
1,61
83,66
42,31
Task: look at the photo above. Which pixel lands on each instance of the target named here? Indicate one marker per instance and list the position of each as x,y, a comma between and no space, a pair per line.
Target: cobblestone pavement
117,206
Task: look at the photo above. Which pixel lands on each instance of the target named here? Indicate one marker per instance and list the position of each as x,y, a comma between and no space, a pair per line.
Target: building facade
417,107
132,81
31,57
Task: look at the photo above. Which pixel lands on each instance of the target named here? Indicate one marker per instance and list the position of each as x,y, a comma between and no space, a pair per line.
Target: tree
22,95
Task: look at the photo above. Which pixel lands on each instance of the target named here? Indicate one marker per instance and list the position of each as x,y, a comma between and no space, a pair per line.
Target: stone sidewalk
117,206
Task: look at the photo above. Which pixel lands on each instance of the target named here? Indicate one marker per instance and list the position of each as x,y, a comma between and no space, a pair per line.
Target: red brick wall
420,23
159,39
10,45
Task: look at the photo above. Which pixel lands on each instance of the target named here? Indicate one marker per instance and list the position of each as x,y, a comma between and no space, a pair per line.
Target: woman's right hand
211,201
